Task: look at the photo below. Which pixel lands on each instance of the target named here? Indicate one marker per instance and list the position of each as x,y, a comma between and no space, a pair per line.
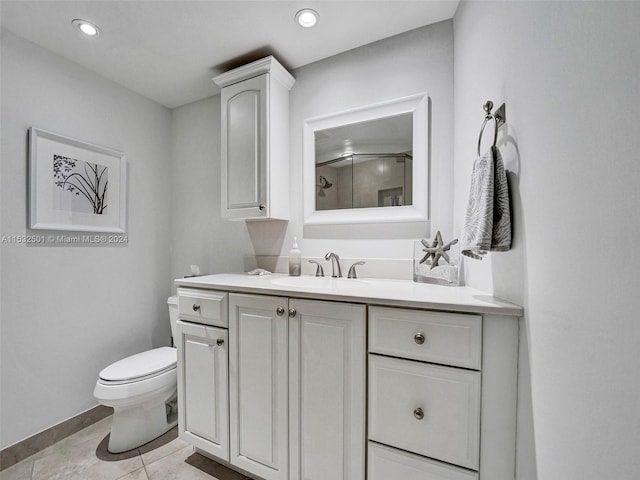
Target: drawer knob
292,312
196,307
280,311
418,413
419,338
220,342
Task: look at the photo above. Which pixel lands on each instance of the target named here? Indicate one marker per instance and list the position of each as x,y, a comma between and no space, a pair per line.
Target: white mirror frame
418,105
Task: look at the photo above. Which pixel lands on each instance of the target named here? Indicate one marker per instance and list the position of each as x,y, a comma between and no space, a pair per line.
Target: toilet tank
172,303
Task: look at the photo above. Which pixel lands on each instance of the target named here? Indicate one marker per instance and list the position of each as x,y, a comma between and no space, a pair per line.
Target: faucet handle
352,270
319,269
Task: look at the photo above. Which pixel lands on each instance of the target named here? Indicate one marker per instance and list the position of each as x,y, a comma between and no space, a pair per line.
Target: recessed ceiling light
88,28
307,18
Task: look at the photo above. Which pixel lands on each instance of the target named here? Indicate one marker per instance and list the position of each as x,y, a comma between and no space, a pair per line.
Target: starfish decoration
428,249
438,250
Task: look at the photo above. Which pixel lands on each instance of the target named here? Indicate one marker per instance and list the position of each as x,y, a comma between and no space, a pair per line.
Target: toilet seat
139,367
131,393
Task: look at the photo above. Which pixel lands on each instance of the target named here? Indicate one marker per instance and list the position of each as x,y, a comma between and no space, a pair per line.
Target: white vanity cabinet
374,385
258,385
203,410
255,141
297,387
296,384
327,390
436,382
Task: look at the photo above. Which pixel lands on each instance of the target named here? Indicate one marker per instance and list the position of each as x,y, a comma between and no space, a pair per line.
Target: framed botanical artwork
75,185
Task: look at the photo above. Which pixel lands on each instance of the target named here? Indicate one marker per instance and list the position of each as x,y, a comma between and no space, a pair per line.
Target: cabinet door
327,390
258,385
202,388
244,148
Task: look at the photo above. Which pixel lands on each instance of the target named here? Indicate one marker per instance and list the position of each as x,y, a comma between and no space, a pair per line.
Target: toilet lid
141,365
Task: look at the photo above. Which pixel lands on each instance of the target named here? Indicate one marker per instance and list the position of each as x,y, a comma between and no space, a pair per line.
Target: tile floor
84,456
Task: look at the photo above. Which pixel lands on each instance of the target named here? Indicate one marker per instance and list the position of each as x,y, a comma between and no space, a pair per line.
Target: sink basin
320,283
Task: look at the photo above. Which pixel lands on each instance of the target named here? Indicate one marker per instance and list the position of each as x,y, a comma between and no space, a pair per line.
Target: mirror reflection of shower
323,185
369,164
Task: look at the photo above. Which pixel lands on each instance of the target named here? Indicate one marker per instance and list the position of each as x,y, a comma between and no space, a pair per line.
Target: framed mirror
368,165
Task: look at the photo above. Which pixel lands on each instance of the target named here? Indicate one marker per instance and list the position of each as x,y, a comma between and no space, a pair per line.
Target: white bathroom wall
569,73
417,61
67,312
198,234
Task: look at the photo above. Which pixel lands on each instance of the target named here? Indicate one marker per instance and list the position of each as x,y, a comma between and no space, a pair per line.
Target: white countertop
402,293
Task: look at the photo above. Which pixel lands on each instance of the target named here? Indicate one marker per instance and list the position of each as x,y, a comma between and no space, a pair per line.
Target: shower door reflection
364,180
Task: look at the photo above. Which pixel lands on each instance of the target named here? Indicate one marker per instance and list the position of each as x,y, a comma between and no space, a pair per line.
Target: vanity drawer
426,409
203,306
385,463
438,337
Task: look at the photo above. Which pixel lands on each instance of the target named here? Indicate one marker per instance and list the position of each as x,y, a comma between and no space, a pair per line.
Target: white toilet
142,391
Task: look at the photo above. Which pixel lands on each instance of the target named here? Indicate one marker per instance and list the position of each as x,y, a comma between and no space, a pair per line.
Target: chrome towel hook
499,118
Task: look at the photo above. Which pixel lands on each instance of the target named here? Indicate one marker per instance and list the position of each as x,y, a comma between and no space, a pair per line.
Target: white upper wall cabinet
255,141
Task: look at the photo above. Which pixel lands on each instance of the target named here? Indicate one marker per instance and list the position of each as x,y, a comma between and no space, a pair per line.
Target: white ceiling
168,50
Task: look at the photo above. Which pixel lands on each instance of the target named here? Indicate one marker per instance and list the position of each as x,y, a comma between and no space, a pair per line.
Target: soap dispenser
295,260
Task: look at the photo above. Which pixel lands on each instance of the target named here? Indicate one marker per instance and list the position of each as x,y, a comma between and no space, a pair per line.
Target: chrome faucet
335,264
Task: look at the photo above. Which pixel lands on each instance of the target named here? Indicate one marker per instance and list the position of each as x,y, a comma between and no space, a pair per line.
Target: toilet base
139,424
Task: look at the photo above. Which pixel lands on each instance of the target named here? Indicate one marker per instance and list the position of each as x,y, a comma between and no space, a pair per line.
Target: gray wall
569,73
413,62
198,234
417,61
67,312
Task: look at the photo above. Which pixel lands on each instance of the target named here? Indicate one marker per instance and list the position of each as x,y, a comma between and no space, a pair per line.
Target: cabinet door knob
280,311
261,207
292,312
196,307
220,342
418,413
419,338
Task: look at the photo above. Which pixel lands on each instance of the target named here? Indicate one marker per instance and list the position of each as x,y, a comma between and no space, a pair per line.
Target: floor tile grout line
146,473
144,465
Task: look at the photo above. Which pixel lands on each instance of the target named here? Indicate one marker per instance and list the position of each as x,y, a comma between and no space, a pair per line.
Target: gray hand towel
487,224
